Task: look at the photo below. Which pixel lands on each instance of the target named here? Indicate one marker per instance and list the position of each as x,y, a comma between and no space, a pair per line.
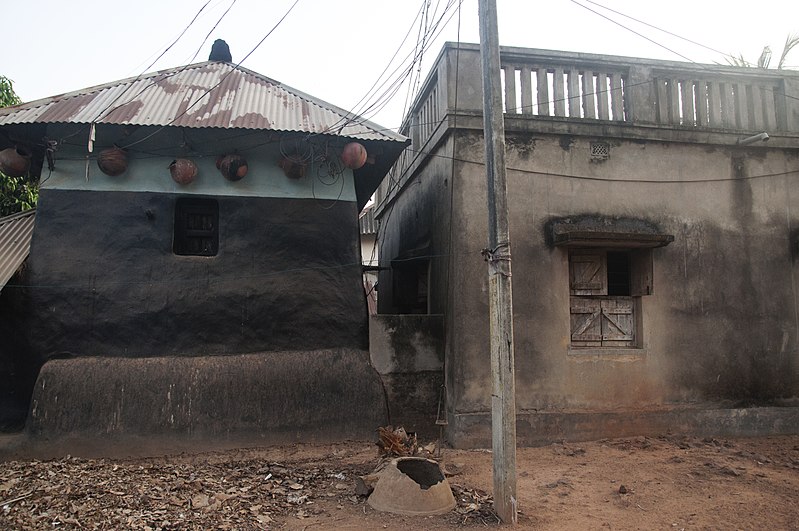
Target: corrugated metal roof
367,221
209,94
15,242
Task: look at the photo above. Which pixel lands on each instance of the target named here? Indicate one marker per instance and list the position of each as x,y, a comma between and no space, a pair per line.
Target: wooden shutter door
586,322
618,322
588,273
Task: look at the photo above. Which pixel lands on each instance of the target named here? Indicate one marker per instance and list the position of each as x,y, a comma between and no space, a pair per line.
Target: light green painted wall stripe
264,179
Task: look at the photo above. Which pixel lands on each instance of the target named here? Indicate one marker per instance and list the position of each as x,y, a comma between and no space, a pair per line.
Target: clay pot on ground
183,171
233,167
113,161
15,161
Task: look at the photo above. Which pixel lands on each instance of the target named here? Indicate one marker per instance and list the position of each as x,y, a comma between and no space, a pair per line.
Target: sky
338,50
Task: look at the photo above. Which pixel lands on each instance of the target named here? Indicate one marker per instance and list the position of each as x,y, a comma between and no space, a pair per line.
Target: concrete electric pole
503,396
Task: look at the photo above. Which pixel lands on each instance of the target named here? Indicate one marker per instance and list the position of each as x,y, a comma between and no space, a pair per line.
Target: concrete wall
408,353
720,326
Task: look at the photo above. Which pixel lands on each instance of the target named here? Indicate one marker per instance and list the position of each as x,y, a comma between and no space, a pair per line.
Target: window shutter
618,322
588,273
586,321
641,272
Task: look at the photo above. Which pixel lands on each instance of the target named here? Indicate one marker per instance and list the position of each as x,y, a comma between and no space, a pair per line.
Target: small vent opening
600,151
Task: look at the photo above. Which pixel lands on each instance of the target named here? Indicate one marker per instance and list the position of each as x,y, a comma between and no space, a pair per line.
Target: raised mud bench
268,397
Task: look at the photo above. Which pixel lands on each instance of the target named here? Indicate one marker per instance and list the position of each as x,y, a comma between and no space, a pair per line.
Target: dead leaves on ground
76,493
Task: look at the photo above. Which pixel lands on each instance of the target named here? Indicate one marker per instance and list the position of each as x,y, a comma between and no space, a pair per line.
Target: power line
198,100
657,28
359,114
202,44
190,24
610,179
631,30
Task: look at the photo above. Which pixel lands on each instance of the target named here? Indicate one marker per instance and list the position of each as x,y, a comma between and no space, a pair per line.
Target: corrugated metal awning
16,231
367,221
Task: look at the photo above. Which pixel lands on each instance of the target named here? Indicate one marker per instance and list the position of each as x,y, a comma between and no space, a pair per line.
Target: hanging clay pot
113,161
15,161
233,167
292,168
183,171
353,155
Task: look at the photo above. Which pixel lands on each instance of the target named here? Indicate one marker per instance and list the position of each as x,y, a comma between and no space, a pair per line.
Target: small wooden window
605,288
196,230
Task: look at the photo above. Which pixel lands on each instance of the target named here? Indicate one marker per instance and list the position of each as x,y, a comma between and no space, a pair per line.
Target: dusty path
642,483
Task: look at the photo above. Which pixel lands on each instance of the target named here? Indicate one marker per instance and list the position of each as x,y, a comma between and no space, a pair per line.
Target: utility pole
503,395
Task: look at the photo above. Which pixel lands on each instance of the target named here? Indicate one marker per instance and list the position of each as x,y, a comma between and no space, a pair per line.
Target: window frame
185,233
599,322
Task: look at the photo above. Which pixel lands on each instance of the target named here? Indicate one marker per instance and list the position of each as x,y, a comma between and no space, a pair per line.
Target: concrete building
654,247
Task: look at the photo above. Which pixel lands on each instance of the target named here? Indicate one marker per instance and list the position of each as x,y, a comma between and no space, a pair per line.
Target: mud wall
260,398
104,280
17,366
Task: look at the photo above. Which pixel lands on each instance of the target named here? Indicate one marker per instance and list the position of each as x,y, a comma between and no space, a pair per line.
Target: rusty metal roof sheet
367,221
15,243
209,94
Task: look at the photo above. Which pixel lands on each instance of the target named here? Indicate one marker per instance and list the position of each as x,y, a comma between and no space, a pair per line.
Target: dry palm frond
397,443
739,60
790,42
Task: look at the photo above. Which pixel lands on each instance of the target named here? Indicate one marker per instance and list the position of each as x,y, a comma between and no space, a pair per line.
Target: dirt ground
640,483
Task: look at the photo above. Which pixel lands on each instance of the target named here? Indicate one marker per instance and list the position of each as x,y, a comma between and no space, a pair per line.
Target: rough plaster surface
104,280
721,322
269,396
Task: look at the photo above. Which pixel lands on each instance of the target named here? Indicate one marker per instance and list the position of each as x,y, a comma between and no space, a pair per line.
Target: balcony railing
551,91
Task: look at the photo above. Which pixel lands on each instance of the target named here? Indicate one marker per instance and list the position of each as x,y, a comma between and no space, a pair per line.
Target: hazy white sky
337,49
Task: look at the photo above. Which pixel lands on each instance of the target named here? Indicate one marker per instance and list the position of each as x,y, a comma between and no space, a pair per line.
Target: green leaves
16,193
7,95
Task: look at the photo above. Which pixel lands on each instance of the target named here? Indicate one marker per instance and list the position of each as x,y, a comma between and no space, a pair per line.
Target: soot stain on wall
724,297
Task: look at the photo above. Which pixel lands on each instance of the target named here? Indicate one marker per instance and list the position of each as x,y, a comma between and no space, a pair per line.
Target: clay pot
113,161
353,155
233,167
15,161
292,168
183,171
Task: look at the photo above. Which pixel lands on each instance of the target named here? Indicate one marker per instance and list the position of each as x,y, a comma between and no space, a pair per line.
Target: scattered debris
364,485
396,442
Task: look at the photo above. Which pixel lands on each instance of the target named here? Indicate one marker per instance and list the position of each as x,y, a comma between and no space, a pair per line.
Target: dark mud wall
17,365
258,398
104,280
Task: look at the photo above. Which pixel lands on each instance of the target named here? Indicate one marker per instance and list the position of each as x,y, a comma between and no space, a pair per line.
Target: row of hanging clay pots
15,161
233,167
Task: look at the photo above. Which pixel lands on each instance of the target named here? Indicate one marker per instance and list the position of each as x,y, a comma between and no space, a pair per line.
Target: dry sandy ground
642,483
